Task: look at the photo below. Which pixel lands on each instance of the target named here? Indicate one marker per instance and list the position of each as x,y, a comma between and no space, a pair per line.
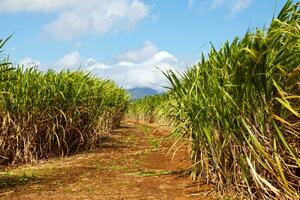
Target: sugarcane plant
46,114
5,65
149,109
240,108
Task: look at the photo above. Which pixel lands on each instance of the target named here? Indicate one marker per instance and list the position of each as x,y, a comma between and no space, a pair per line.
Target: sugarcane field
208,108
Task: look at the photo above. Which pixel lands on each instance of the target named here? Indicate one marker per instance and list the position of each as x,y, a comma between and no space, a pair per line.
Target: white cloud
235,6
79,17
68,25
29,62
137,68
139,55
133,68
191,3
239,5
217,3
164,56
35,5
92,64
71,60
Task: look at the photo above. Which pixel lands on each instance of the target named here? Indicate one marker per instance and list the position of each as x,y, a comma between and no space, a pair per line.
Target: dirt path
130,164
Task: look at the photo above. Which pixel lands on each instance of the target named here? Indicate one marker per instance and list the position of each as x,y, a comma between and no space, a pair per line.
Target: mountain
137,93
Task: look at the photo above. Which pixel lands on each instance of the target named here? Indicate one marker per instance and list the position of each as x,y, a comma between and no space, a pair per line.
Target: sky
128,41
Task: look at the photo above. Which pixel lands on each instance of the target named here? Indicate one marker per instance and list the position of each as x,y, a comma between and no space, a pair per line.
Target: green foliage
54,113
240,107
5,65
148,109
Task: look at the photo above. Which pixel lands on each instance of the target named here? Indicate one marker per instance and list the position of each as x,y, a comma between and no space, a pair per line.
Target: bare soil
132,163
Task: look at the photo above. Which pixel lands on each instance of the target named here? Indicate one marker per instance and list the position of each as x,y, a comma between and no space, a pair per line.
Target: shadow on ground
10,181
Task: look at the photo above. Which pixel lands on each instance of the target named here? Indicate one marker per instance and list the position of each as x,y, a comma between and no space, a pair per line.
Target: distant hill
137,93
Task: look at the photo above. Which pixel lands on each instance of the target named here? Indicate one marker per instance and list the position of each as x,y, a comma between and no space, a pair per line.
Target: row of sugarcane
240,109
149,109
46,114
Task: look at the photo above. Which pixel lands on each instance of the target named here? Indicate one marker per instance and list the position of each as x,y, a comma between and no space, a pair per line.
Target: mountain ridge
140,92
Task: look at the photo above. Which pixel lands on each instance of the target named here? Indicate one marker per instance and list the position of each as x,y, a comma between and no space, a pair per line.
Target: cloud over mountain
141,67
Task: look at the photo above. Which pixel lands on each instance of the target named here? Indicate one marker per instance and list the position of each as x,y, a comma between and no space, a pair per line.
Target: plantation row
149,109
45,114
240,109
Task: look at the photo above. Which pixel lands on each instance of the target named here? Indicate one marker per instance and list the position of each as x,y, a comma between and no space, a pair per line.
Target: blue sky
125,39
